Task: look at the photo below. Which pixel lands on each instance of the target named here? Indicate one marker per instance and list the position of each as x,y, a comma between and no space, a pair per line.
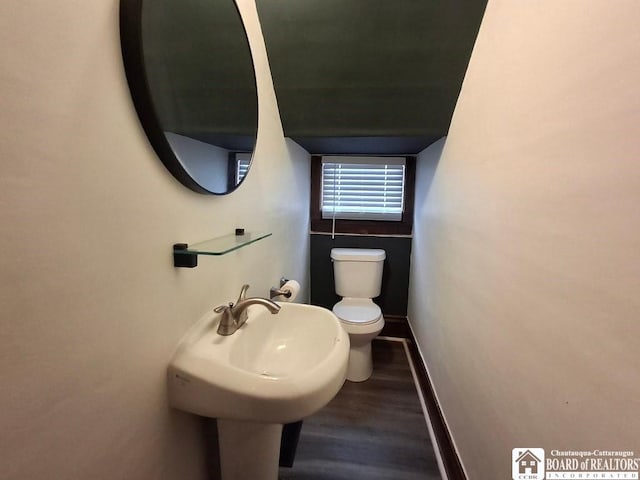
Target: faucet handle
222,308
243,293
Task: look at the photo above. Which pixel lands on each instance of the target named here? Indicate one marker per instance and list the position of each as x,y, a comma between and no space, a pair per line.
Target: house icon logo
527,463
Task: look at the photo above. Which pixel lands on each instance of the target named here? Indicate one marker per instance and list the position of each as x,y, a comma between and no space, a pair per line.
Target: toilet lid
357,311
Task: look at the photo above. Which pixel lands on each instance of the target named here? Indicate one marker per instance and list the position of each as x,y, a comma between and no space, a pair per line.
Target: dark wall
390,68
395,279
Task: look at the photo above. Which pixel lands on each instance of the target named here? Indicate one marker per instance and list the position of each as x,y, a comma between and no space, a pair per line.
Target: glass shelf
186,255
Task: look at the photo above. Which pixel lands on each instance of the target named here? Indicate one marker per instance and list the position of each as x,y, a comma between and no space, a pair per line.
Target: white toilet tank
358,271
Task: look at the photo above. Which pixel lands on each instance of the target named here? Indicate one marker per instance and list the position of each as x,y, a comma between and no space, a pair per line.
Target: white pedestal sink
275,369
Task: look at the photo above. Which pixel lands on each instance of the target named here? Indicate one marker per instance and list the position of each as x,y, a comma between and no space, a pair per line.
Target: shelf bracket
186,260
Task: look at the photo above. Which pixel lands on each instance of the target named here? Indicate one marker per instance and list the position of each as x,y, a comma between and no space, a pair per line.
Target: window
238,166
362,188
243,160
366,195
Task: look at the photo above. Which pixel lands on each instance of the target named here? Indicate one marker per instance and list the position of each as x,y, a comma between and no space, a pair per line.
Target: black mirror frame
133,59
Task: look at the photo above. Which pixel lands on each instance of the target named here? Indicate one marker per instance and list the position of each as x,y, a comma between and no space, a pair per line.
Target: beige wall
526,264
91,306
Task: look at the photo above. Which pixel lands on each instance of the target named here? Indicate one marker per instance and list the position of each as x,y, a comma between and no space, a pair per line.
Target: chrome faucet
234,315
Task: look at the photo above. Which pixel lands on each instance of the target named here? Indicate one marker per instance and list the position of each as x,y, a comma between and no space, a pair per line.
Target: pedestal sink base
249,450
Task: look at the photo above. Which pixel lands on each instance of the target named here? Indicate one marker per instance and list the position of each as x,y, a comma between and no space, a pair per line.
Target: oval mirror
191,76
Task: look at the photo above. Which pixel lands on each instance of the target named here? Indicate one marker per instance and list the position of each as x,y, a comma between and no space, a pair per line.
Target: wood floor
373,430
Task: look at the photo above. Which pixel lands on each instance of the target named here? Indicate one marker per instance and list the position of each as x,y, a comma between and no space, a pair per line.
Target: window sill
361,227
379,235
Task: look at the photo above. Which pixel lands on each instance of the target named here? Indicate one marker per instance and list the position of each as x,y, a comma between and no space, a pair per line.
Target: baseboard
449,455
395,326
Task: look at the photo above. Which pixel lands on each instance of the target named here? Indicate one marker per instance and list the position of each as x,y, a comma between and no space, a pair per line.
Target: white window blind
363,188
243,160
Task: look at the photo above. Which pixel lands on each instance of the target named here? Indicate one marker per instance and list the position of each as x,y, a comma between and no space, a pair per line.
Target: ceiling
368,76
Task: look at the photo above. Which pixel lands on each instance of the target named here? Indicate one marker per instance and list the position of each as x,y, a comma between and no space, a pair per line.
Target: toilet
358,278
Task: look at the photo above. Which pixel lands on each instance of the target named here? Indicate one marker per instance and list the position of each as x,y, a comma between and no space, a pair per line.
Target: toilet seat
357,311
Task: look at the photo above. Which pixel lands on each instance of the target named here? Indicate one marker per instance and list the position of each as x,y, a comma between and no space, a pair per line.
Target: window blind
243,160
363,188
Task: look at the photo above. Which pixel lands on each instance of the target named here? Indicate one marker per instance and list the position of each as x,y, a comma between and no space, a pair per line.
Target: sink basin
275,369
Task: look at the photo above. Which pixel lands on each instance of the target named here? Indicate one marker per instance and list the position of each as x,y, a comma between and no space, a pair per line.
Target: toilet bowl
362,320
358,279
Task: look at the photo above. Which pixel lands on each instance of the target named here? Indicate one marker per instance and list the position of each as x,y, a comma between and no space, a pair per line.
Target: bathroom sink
277,368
